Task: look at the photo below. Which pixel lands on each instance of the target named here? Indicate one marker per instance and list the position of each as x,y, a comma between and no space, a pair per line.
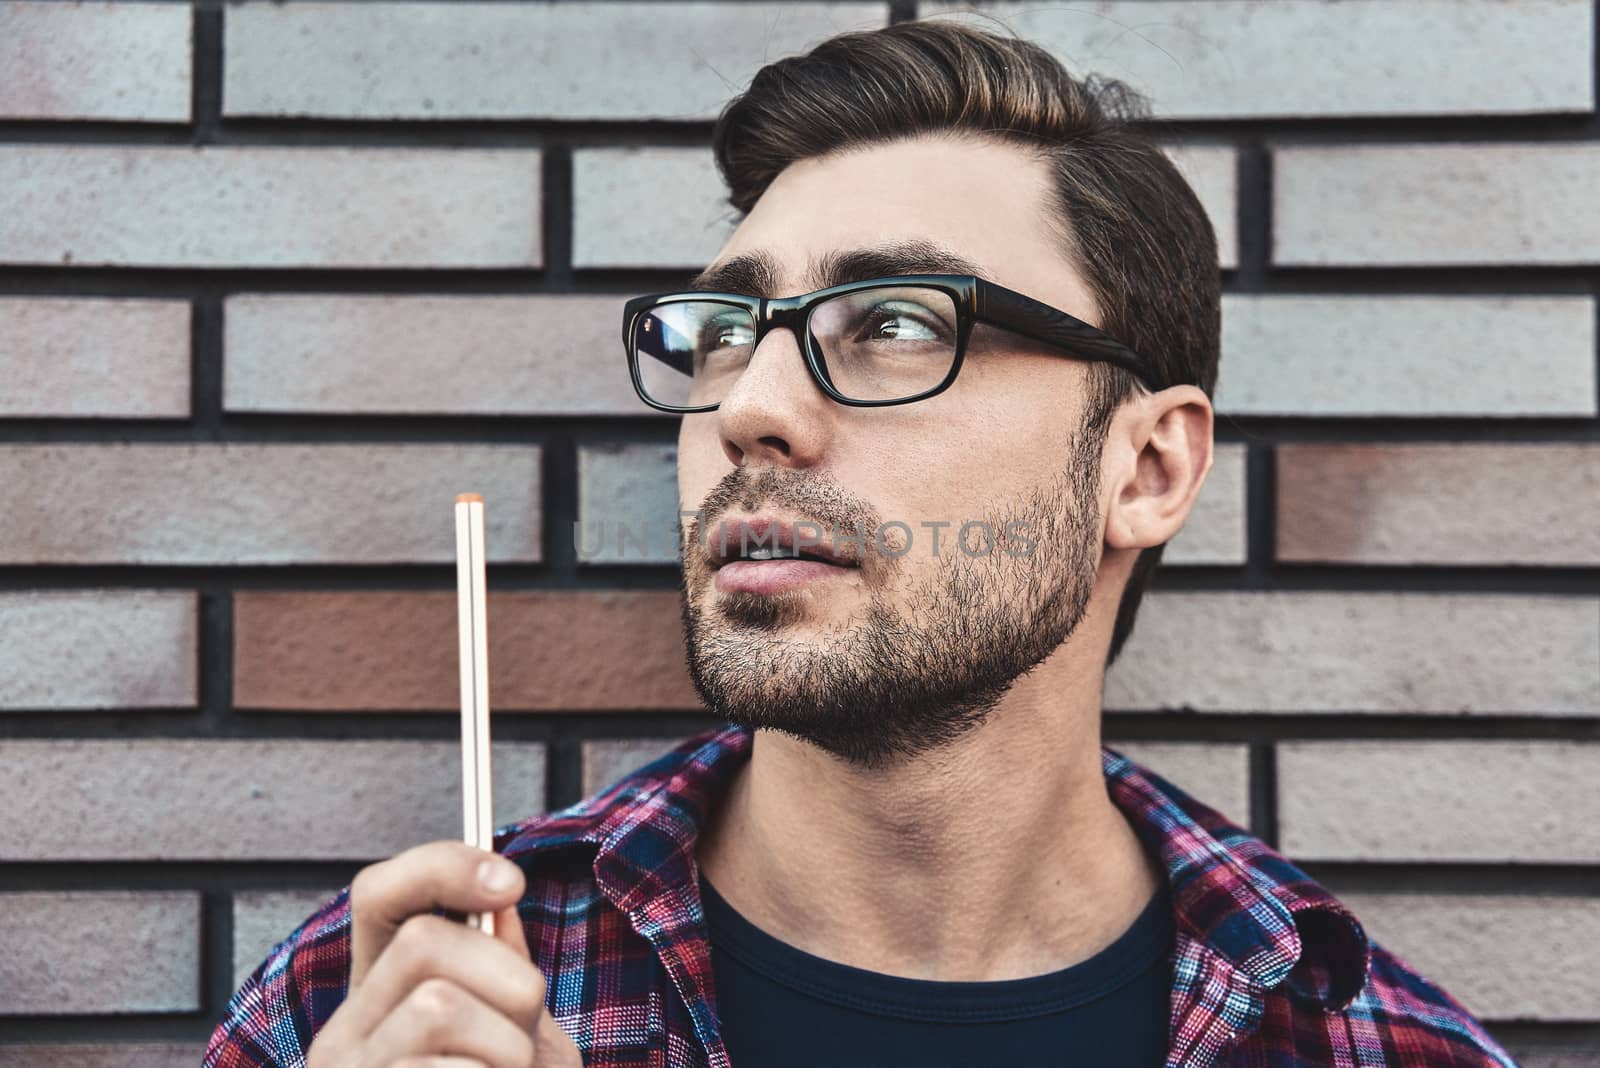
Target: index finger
435,875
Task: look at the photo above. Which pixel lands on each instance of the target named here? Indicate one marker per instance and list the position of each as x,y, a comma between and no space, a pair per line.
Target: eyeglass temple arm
1015,311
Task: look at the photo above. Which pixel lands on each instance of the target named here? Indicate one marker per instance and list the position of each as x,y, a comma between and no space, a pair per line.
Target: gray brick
1215,530
72,952
189,799
1461,503
647,207
106,61
262,920
1542,1056
666,207
1213,172
1216,774
1480,801
628,505
75,1055
63,356
1361,652
605,761
89,649
503,61
1436,204
1375,355
172,206
235,503
415,355
1504,956
1242,59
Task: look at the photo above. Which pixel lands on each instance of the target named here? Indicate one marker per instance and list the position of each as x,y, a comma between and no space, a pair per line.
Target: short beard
890,687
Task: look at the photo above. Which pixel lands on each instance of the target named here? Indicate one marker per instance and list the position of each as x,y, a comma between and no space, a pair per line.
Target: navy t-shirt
781,1007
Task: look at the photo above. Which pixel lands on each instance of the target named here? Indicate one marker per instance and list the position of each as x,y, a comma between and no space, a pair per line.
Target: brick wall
278,280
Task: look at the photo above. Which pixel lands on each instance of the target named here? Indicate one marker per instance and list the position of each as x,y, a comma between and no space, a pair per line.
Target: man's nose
775,412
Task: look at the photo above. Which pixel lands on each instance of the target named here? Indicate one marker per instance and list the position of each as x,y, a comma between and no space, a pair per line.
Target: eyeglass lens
876,344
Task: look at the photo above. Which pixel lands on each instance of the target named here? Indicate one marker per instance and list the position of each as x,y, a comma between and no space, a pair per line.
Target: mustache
808,497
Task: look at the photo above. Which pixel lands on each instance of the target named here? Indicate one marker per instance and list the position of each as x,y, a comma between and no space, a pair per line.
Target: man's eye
716,335
889,322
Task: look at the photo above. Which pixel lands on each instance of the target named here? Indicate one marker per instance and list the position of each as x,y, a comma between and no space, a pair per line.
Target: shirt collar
1240,897
1229,889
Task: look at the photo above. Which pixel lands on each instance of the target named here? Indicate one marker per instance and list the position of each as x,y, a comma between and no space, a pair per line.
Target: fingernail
496,875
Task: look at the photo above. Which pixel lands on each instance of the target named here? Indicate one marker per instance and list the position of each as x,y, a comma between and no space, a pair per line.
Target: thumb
508,929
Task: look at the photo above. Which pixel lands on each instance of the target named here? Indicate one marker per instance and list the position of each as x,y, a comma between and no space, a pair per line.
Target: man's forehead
761,272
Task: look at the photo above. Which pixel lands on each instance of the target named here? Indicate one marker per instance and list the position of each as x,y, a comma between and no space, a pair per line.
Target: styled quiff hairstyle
1124,217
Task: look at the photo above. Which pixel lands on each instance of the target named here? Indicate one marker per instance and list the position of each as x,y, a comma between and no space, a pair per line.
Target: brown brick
65,356
1461,503
74,1055
1326,651
548,651
79,649
1504,956
414,355
1480,801
71,952
269,206
235,503
261,799
100,61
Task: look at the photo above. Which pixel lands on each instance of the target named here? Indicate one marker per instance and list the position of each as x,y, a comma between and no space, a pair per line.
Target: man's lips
775,575
793,541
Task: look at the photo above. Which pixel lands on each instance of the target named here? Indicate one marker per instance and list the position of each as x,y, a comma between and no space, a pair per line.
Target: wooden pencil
477,805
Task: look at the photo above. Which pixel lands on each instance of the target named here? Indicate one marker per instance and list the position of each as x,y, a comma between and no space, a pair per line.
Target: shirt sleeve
278,1009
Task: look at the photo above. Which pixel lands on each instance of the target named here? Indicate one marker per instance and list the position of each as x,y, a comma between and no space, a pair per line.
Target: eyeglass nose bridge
792,313
776,313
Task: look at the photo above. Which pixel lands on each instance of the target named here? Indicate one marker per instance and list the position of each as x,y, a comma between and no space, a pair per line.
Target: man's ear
1166,452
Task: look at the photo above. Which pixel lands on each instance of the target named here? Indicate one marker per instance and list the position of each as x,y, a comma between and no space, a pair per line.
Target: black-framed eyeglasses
872,343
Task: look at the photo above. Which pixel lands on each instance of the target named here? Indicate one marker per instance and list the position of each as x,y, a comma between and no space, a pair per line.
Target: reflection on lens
691,351
886,344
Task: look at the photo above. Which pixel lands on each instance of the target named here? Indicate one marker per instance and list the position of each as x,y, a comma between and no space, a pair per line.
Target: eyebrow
756,273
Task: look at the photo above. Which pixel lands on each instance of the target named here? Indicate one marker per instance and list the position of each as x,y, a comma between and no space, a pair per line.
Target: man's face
910,649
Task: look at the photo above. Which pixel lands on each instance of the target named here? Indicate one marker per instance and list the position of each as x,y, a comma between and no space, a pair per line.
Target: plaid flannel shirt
1269,969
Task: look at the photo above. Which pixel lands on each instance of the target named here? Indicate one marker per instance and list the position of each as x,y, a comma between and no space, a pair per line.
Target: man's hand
427,991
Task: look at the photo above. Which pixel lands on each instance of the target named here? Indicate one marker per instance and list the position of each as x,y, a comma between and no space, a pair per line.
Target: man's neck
998,858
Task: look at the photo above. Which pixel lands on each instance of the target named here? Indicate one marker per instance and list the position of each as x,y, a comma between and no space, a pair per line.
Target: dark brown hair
1125,218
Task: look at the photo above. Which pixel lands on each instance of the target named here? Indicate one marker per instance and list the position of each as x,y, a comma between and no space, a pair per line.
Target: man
923,496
